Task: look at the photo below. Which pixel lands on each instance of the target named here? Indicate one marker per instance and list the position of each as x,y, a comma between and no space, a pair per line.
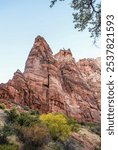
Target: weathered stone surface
91,72
56,83
84,140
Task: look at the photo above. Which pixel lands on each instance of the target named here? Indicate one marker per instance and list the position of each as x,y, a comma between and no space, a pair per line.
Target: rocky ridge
56,83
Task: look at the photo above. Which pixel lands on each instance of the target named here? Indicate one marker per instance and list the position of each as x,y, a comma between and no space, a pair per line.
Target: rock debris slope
56,83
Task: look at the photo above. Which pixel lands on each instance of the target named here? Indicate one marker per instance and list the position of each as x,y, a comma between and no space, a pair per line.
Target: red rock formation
56,83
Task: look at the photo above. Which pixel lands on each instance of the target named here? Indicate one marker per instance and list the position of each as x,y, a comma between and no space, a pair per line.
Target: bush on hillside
33,136
2,106
34,112
26,119
7,130
12,115
8,147
75,126
57,125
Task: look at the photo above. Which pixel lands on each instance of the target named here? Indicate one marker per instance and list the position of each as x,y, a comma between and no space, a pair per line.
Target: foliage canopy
57,125
87,14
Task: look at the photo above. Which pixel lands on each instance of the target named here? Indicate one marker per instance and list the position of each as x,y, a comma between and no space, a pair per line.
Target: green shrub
12,115
26,119
34,112
8,147
7,130
57,125
75,126
2,106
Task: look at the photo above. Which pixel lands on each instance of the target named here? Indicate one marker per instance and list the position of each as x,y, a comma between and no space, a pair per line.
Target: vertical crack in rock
56,83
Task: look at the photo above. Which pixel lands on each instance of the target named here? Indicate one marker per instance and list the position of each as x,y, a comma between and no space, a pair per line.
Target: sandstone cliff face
56,83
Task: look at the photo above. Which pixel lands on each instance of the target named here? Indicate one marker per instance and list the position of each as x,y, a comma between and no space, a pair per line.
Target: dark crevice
47,86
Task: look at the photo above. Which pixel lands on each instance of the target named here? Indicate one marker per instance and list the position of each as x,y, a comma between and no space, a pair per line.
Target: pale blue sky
22,20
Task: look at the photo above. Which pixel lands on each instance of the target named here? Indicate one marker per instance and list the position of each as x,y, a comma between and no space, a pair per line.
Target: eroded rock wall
56,83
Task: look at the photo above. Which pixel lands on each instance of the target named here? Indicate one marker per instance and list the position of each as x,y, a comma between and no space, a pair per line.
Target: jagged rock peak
90,62
40,41
64,55
39,54
56,83
18,71
40,45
